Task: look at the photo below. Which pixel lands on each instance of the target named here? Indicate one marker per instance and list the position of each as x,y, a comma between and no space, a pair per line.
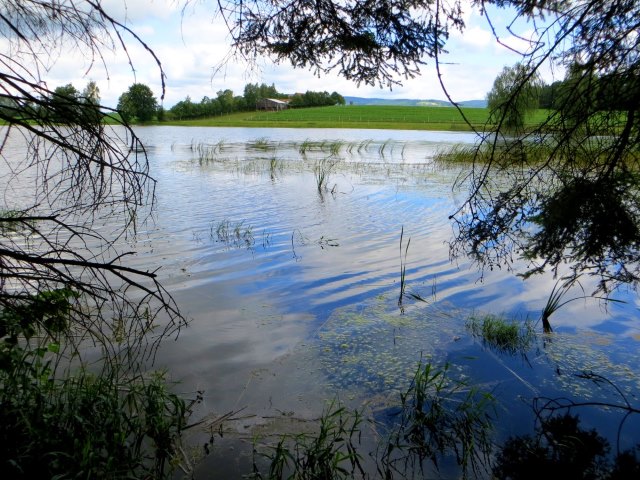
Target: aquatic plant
335,147
207,152
330,453
403,267
403,274
274,166
364,145
321,170
383,147
237,234
457,154
439,418
305,146
262,144
555,301
266,239
501,334
327,242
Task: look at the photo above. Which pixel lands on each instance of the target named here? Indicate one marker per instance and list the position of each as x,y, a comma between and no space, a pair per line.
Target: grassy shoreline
352,116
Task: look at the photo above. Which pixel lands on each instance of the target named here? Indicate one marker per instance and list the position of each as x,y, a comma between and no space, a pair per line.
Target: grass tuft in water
403,274
440,418
321,170
330,453
233,234
555,301
275,165
262,144
501,334
206,153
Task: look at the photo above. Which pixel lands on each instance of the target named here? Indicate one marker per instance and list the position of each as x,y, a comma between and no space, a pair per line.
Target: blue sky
192,42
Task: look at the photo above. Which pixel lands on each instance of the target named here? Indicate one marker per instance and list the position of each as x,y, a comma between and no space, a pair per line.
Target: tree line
139,104
517,90
226,102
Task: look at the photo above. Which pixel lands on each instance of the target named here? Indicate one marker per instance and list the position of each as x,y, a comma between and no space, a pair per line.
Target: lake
291,289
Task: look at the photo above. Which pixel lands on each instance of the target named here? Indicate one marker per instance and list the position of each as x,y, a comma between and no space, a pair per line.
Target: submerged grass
437,419
232,233
207,152
331,453
440,418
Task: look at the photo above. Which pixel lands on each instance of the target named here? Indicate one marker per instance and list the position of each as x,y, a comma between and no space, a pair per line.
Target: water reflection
292,292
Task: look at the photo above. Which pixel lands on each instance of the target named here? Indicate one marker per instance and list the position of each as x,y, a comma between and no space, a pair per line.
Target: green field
357,116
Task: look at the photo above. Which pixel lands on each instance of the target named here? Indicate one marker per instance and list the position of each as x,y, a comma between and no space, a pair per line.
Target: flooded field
313,266
288,251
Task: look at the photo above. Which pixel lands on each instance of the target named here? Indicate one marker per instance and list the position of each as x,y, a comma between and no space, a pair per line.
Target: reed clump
236,234
322,170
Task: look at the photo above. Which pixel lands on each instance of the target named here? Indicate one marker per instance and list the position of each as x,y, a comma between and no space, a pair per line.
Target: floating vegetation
233,234
573,354
373,348
502,335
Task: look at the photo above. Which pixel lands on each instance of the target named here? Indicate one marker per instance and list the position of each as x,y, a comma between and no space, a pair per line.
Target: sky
191,42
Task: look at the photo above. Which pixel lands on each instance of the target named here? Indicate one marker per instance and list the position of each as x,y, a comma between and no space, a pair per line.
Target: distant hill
412,102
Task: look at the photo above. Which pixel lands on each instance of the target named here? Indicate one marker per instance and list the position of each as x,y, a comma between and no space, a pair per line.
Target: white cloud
191,43
475,37
135,11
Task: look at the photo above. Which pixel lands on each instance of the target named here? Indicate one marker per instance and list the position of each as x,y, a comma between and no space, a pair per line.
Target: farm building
271,104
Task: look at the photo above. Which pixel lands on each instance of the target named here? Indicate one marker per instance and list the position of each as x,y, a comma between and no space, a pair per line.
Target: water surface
292,292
